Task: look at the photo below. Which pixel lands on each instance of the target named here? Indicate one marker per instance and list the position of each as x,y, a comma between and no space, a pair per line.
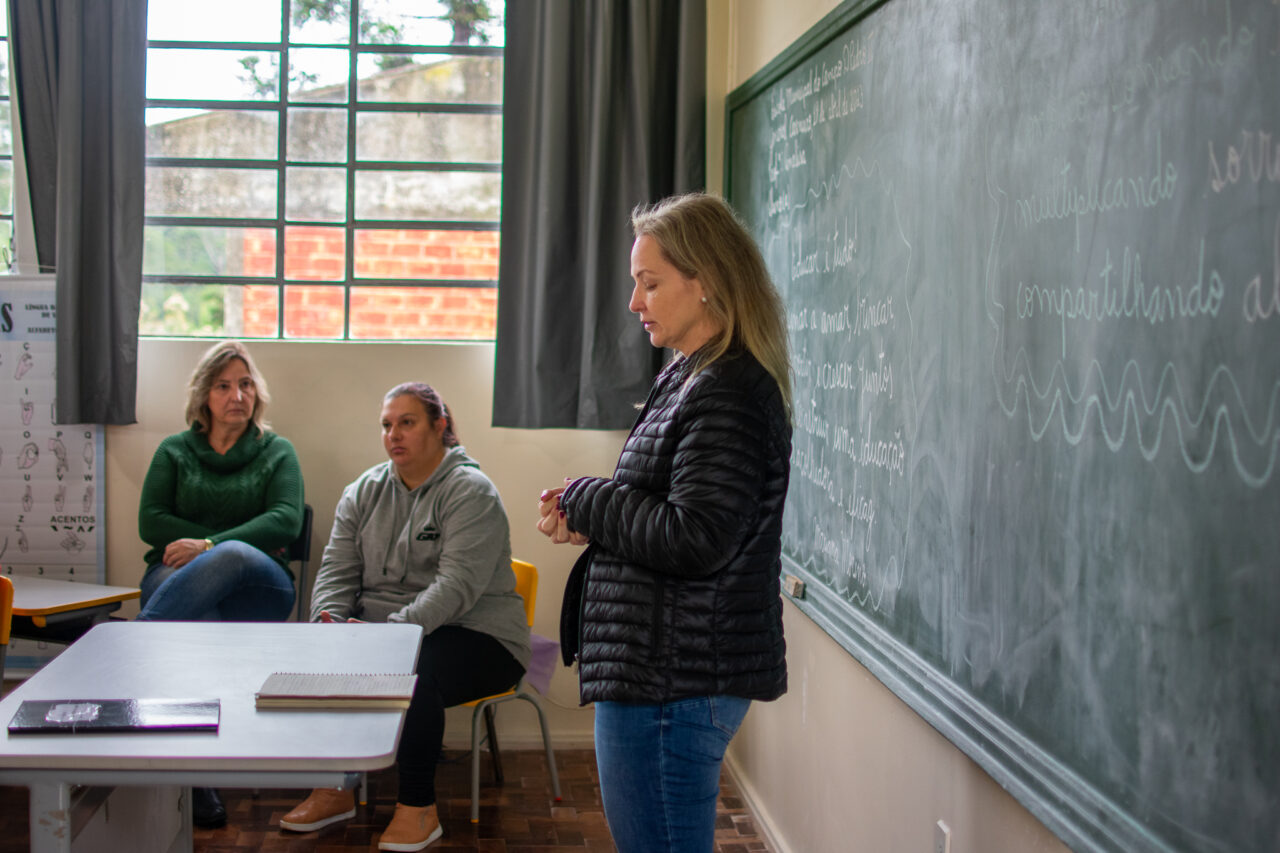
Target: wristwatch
208,543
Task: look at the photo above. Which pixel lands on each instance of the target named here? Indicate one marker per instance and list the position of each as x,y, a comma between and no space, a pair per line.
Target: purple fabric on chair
546,653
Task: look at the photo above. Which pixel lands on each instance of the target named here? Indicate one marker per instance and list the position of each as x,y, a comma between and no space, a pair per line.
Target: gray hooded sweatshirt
437,555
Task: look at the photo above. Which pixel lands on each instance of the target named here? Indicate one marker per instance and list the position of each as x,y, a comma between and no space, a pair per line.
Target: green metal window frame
353,108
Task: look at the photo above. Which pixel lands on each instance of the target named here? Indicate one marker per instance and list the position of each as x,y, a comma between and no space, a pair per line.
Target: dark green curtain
603,109
79,77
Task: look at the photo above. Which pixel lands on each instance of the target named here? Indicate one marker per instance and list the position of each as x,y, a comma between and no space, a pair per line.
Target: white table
200,660
58,610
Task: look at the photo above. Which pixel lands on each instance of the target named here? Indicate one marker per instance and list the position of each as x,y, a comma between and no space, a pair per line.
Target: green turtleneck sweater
252,493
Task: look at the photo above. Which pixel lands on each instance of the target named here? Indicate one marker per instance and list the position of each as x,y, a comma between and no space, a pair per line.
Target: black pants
455,665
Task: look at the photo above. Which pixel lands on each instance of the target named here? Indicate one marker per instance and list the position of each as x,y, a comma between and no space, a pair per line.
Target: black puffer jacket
679,589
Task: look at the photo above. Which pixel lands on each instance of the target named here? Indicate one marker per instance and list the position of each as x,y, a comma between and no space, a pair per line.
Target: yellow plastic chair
6,621
527,587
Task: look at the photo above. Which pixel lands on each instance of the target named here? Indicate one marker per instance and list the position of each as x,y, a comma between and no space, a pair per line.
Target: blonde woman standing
674,610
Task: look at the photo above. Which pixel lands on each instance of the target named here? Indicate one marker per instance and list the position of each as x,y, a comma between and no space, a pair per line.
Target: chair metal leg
487,709
475,765
546,743
495,754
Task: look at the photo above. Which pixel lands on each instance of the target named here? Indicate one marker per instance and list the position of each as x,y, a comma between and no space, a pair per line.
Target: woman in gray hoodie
422,538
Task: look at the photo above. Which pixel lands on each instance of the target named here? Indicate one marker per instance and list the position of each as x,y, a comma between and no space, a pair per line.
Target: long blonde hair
201,382
703,238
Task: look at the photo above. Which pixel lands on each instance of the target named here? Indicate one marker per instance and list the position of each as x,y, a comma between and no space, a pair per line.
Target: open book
324,690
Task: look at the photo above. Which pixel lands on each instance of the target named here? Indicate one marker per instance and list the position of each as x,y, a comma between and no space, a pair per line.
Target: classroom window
323,170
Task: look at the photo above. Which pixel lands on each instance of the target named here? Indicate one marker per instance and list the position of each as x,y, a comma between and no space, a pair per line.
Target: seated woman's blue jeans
660,770
231,582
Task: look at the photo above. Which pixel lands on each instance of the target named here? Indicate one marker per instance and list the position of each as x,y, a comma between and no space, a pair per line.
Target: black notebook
71,716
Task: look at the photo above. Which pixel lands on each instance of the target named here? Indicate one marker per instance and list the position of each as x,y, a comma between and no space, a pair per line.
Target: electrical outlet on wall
941,837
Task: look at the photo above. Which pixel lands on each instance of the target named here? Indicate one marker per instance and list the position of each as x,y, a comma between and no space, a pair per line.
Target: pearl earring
704,300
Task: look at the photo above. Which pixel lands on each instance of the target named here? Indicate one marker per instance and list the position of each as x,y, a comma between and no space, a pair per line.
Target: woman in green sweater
221,503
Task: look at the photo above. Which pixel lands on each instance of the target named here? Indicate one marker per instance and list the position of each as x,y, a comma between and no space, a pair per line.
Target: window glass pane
428,195
318,75
314,253
439,137
317,135
208,310
316,194
212,75
397,313
200,250
4,18
185,191
6,188
240,134
260,311
226,20
426,254
6,243
418,22
6,130
313,311
320,23
4,67
429,78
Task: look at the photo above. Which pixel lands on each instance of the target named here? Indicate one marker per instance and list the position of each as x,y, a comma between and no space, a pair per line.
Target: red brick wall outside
317,254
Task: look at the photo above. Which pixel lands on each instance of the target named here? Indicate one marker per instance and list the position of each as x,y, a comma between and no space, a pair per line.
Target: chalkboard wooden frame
1069,804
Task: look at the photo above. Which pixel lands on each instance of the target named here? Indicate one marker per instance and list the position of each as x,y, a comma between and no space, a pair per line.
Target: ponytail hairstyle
431,403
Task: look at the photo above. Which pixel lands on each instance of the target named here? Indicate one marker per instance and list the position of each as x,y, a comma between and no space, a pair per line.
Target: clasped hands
179,552
551,519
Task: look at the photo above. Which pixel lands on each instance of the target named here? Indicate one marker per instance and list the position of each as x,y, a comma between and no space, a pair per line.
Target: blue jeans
231,582
660,770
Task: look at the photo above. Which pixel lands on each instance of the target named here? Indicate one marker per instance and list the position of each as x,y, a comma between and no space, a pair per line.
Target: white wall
840,763
326,398
837,764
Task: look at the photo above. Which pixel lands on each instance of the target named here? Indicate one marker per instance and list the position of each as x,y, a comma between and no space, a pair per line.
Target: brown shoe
323,807
411,828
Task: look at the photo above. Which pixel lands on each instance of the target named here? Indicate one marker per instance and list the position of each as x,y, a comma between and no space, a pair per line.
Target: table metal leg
50,818
106,820
184,841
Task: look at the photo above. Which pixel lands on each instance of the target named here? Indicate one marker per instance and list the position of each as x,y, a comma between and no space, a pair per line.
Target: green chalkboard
1030,253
